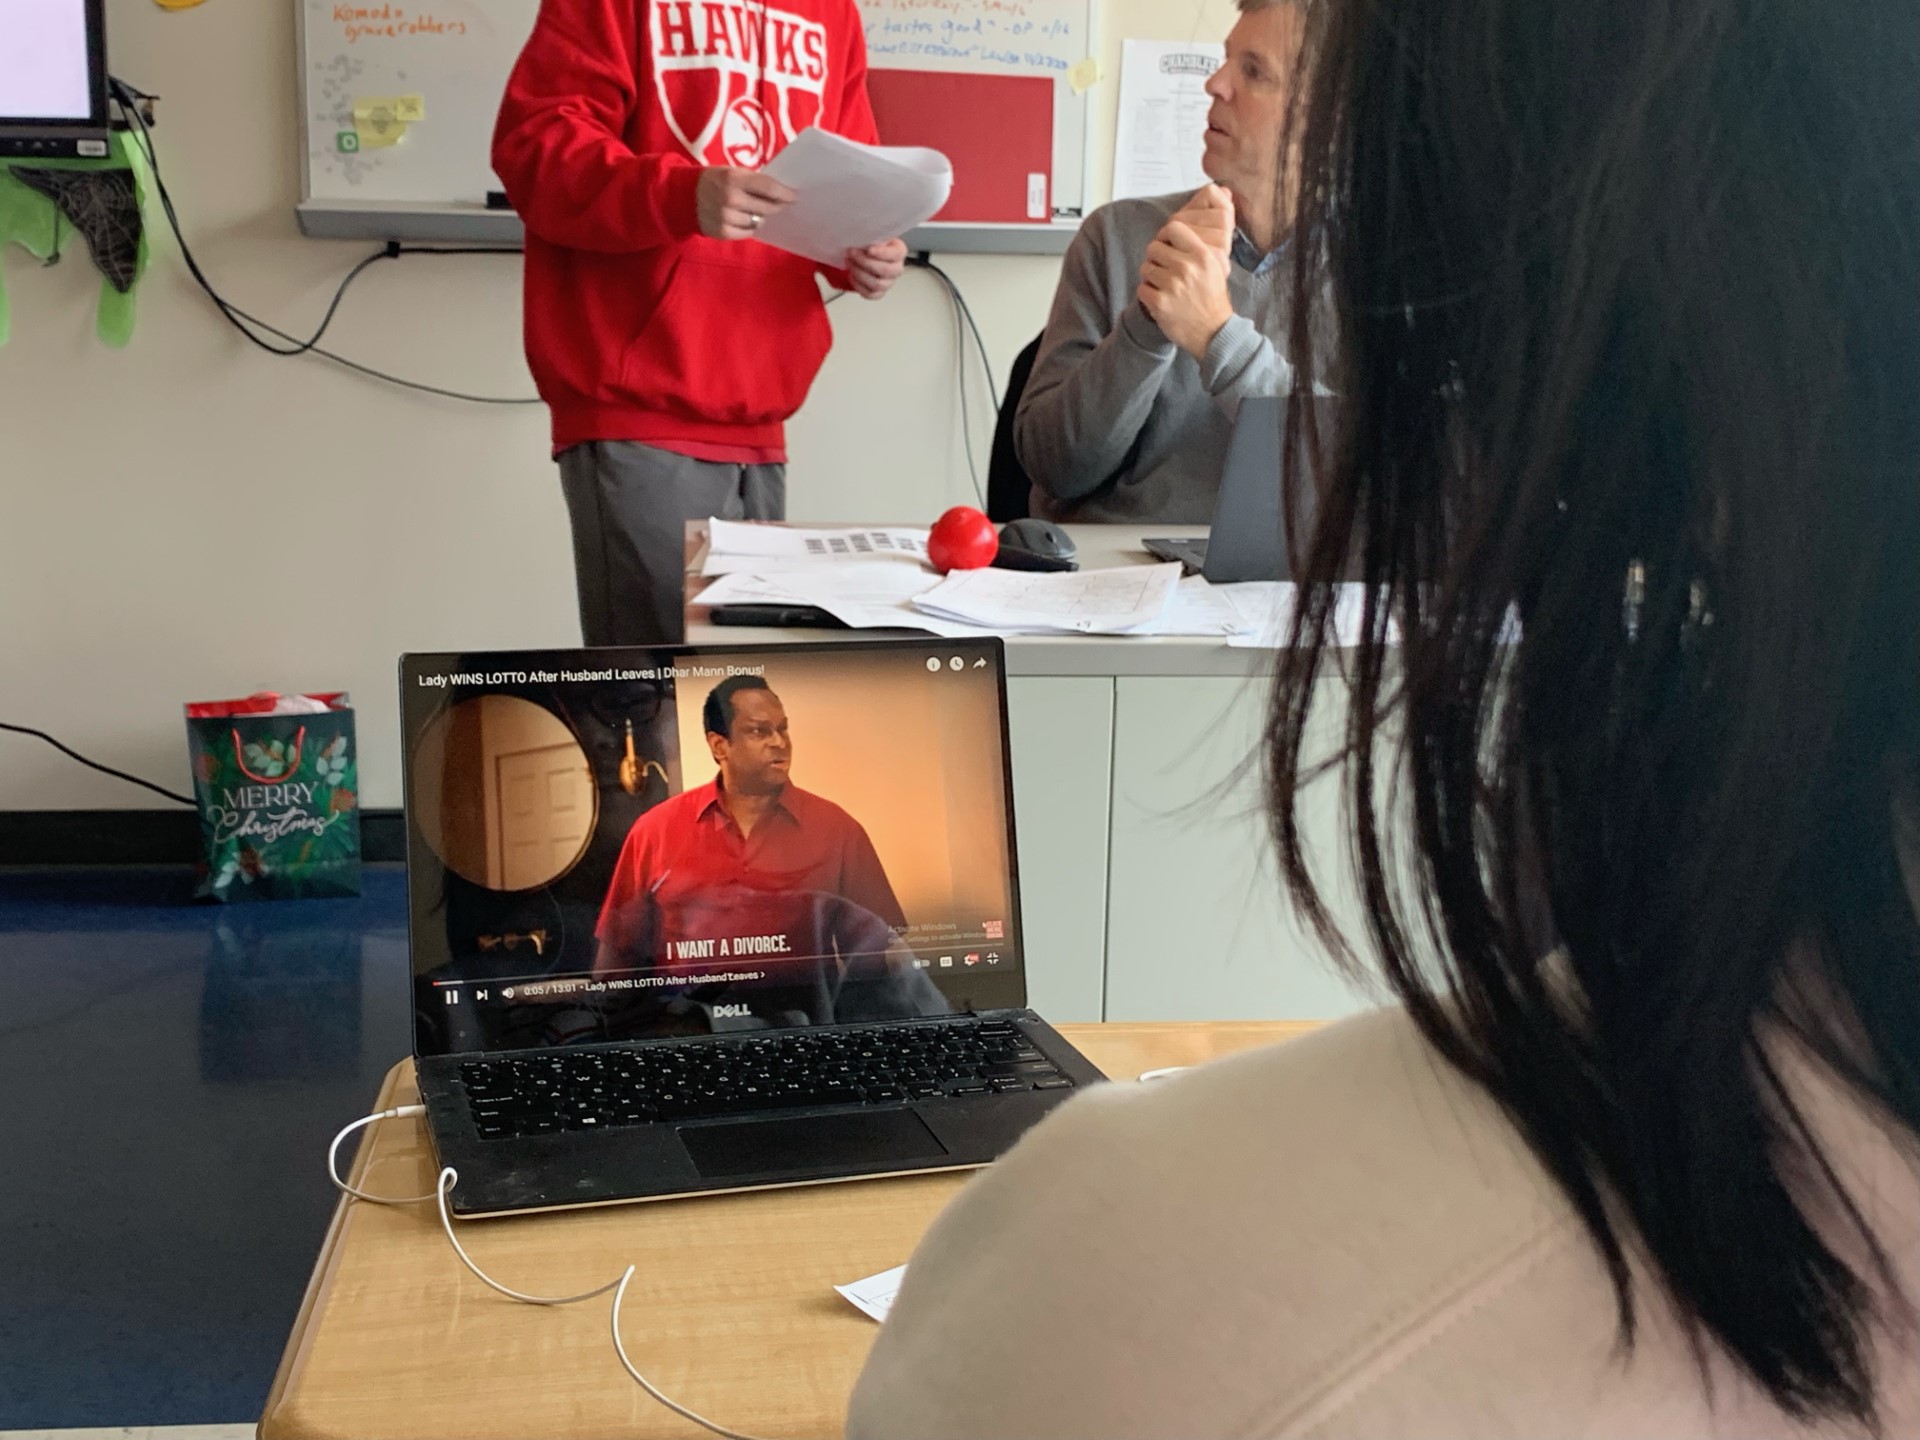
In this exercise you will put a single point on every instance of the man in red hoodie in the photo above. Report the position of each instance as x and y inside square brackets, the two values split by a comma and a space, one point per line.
[669, 344]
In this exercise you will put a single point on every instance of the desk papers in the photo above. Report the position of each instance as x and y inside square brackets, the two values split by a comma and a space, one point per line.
[735, 546]
[877, 578]
[1074, 602]
[862, 595]
[851, 194]
[1269, 616]
[874, 1295]
[1198, 608]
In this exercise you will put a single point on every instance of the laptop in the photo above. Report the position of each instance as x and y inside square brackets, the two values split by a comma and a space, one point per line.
[696, 919]
[1248, 540]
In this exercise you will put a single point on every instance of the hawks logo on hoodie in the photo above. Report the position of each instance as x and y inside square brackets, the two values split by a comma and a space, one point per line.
[738, 79]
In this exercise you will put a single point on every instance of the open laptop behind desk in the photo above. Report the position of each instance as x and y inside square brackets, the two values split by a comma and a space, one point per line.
[711, 918]
[1248, 540]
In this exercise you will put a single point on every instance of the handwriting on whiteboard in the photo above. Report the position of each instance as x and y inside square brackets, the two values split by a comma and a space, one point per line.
[1019, 35]
[393, 22]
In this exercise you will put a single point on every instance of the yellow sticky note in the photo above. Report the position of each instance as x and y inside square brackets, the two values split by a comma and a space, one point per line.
[377, 121]
[375, 137]
[404, 108]
[1084, 76]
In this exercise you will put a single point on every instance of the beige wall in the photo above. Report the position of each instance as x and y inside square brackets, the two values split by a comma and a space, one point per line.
[189, 519]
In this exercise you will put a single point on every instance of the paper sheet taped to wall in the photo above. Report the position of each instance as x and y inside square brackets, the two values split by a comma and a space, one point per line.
[1161, 135]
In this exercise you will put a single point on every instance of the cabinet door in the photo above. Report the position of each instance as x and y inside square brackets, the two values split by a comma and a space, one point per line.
[1062, 732]
[1198, 925]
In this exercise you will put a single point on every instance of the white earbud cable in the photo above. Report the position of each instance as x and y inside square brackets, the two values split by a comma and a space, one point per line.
[398, 1112]
[647, 1385]
[448, 1178]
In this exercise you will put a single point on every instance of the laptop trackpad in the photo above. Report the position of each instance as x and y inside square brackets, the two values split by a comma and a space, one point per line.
[860, 1140]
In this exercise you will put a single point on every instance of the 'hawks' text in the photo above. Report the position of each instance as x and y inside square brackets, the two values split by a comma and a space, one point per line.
[795, 48]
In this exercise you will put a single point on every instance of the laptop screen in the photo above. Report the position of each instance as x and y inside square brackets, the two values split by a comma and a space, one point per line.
[624, 844]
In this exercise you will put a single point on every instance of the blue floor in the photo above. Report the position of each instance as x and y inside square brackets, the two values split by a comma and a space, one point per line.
[171, 1075]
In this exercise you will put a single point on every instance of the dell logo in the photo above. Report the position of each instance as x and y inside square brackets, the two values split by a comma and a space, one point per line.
[730, 1012]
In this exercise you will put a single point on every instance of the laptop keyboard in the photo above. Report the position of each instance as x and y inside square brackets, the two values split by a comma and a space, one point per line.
[546, 1091]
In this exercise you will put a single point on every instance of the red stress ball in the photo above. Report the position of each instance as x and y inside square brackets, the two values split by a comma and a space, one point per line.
[962, 539]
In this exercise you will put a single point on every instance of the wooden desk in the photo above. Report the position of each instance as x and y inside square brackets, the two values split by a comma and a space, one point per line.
[731, 1310]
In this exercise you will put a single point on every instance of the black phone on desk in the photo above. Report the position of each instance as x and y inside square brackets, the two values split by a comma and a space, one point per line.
[1189, 554]
[790, 617]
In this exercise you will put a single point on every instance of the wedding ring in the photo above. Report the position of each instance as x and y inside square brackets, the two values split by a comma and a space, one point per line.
[753, 222]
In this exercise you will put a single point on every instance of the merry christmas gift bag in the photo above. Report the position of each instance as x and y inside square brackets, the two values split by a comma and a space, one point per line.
[277, 785]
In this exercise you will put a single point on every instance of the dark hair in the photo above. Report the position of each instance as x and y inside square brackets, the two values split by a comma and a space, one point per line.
[717, 713]
[1626, 329]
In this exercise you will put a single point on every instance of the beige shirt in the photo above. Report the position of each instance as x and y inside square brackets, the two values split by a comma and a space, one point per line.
[1333, 1237]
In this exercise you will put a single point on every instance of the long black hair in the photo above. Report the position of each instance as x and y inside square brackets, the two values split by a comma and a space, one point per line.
[1626, 332]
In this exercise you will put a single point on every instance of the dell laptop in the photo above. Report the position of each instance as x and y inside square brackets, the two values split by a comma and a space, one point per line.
[708, 918]
[1249, 539]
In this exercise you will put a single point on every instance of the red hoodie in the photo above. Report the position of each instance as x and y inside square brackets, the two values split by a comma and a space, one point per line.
[638, 326]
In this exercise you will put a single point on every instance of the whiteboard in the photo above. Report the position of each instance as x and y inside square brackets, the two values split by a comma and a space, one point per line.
[454, 54]
[998, 37]
[451, 58]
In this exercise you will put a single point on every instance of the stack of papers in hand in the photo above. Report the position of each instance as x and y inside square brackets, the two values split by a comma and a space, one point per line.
[850, 195]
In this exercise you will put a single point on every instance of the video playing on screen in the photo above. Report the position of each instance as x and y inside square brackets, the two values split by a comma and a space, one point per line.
[612, 844]
[44, 68]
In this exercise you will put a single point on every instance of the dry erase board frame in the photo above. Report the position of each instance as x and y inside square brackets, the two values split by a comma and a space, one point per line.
[352, 218]
[474, 225]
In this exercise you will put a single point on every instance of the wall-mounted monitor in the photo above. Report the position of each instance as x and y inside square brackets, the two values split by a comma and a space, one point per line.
[53, 78]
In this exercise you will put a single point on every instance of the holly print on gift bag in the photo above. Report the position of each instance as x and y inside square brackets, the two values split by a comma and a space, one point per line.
[278, 798]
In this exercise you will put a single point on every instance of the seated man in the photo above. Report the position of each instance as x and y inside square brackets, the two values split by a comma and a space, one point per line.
[1168, 312]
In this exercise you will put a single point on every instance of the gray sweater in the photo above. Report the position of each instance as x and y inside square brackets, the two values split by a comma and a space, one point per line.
[1117, 422]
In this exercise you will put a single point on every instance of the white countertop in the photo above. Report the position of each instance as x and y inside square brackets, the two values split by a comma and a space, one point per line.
[1100, 547]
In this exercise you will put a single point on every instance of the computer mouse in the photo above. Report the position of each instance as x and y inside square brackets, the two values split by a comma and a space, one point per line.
[1040, 538]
